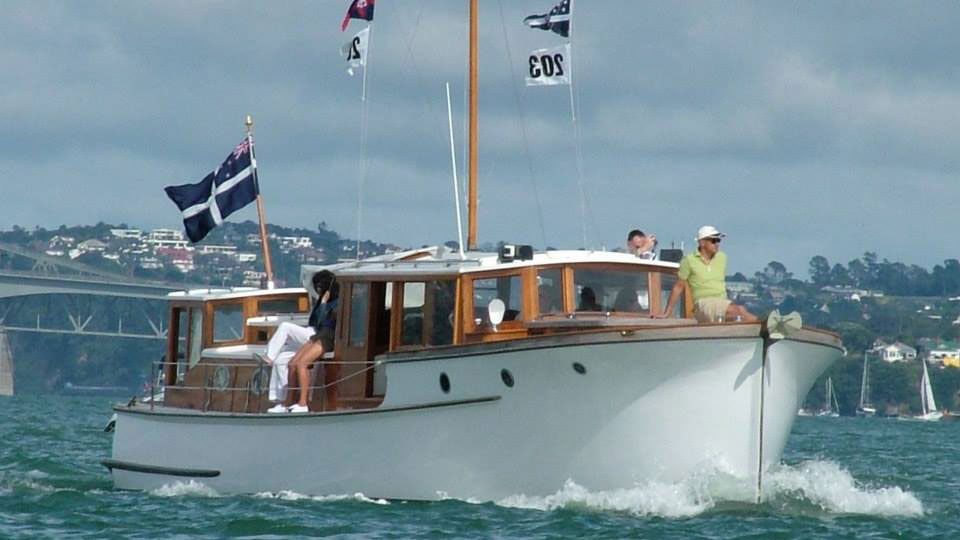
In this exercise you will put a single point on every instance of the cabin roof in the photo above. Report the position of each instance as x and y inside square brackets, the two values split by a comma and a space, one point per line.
[438, 261]
[229, 293]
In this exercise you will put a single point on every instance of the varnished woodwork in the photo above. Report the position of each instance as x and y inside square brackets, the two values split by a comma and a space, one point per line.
[653, 291]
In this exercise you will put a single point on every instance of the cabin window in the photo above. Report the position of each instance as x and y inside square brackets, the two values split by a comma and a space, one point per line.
[667, 281]
[279, 305]
[196, 336]
[428, 309]
[509, 289]
[550, 290]
[439, 312]
[622, 291]
[182, 343]
[227, 322]
[412, 325]
[359, 307]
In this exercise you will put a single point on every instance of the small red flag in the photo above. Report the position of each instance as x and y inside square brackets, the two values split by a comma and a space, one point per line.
[359, 9]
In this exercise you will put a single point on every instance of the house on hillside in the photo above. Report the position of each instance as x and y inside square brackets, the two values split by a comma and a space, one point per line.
[741, 291]
[946, 354]
[896, 352]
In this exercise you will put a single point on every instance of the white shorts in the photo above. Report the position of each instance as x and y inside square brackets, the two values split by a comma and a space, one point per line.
[711, 309]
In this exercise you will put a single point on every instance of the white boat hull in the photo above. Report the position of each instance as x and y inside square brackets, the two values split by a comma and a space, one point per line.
[644, 410]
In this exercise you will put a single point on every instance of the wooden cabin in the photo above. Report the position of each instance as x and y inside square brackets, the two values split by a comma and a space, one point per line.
[443, 302]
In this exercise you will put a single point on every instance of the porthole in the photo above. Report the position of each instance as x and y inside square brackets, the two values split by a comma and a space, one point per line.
[579, 368]
[445, 383]
[221, 378]
[260, 381]
[507, 377]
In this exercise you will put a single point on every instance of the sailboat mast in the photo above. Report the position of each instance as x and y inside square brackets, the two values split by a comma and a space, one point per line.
[863, 382]
[472, 153]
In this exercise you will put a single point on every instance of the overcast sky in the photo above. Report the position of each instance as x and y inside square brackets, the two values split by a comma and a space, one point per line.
[799, 128]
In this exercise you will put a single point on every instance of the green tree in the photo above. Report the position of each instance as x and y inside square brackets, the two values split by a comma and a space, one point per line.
[819, 270]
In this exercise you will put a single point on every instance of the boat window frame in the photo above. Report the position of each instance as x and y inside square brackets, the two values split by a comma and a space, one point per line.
[397, 315]
[528, 299]
[653, 304]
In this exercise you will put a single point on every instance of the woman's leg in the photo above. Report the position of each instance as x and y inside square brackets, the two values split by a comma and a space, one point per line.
[315, 353]
[295, 382]
[287, 335]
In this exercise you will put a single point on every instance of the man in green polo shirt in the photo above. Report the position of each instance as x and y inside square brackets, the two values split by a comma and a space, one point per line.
[705, 270]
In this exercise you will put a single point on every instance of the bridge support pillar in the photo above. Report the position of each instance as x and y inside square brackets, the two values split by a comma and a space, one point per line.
[6, 365]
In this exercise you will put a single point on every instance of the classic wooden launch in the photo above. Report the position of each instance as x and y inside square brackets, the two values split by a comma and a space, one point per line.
[576, 382]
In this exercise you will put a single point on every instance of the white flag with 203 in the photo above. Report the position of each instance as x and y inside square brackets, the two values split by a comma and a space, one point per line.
[355, 50]
[549, 67]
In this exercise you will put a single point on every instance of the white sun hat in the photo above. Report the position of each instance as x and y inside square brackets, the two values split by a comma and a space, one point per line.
[709, 231]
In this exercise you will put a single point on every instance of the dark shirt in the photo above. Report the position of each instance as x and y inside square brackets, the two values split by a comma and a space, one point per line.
[324, 315]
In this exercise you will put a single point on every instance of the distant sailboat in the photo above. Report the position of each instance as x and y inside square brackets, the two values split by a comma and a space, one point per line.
[830, 405]
[927, 402]
[865, 408]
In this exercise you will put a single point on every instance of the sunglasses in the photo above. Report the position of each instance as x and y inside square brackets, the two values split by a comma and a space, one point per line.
[714, 240]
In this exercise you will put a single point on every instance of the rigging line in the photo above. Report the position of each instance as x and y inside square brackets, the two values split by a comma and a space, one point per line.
[363, 142]
[518, 102]
[578, 148]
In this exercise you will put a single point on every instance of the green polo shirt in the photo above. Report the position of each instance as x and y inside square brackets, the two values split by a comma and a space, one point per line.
[706, 279]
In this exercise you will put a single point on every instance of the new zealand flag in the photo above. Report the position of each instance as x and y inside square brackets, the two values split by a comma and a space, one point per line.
[230, 187]
[359, 9]
[557, 20]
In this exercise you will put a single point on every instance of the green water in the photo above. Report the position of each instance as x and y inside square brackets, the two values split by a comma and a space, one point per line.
[840, 478]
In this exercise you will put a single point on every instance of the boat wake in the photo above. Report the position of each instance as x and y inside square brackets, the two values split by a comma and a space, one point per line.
[294, 496]
[813, 487]
[190, 488]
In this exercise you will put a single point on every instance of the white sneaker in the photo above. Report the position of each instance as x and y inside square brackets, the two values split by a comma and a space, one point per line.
[297, 408]
[278, 408]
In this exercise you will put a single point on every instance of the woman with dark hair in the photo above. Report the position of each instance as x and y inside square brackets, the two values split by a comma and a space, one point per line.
[321, 342]
[288, 339]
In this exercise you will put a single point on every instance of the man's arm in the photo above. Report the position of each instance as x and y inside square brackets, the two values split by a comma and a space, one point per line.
[674, 297]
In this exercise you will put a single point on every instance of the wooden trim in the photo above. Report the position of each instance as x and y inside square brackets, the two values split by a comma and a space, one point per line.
[396, 315]
[654, 292]
[426, 317]
[687, 301]
[569, 294]
[458, 313]
[530, 296]
[173, 338]
[467, 302]
[207, 325]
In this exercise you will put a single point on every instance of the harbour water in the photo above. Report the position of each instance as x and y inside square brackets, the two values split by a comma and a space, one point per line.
[840, 478]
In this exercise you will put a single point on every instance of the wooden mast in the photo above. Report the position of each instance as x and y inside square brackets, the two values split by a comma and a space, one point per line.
[472, 153]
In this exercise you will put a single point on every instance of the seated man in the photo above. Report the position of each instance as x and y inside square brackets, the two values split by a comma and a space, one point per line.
[642, 245]
[705, 271]
[588, 300]
[288, 339]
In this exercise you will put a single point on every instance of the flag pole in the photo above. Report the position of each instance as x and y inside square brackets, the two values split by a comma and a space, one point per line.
[260, 214]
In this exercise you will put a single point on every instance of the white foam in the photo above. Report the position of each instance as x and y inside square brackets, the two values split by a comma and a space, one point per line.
[661, 499]
[821, 483]
[836, 491]
[287, 495]
[191, 488]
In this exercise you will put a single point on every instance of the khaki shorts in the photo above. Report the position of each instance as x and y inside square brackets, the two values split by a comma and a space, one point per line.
[711, 309]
